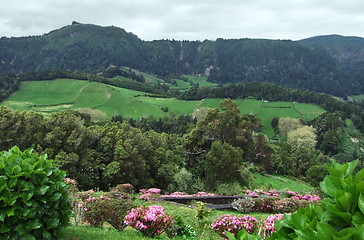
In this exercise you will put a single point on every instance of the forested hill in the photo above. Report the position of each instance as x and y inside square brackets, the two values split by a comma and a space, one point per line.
[347, 51]
[91, 48]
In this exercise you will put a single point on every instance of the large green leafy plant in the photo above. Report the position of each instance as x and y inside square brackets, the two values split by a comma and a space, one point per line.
[341, 215]
[33, 196]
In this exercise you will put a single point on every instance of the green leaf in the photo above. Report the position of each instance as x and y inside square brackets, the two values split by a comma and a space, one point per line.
[361, 202]
[346, 234]
[46, 234]
[3, 183]
[52, 223]
[358, 219]
[4, 228]
[28, 237]
[298, 221]
[242, 234]
[330, 185]
[20, 229]
[230, 236]
[359, 176]
[336, 172]
[359, 232]
[344, 201]
[324, 231]
[10, 211]
[345, 216]
[2, 164]
[2, 215]
[49, 172]
[32, 225]
[42, 190]
[306, 233]
[55, 197]
[12, 182]
[351, 167]
[27, 195]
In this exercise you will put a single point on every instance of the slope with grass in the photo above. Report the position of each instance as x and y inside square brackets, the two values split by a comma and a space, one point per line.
[62, 94]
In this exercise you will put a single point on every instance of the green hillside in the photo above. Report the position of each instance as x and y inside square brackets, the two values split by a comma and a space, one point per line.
[308, 64]
[93, 97]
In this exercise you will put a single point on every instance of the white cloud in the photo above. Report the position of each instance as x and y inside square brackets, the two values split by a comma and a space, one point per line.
[189, 19]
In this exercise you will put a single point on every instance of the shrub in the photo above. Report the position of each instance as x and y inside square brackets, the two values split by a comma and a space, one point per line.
[267, 226]
[265, 229]
[244, 205]
[278, 205]
[150, 220]
[228, 189]
[234, 224]
[34, 203]
[150, 194]
[75, 202]
[180, 228]
[201, 211]
[182, 181]
[123, 188]
[108, 207]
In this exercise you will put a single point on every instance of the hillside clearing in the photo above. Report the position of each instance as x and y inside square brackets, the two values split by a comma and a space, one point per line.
[62, 94]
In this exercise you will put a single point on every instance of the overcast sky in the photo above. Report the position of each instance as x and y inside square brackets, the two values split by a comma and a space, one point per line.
[189, 19]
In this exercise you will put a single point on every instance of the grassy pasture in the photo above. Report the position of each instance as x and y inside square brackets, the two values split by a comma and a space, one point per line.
[201, 80]
[62, 94]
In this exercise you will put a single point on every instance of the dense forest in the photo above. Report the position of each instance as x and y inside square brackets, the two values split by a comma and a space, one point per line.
[318, 64]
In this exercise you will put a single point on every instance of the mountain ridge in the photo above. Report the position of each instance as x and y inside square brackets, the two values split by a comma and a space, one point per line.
[310, 63]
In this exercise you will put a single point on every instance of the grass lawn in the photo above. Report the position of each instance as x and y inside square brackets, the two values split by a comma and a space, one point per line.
[280, 183]
[201, 80]
[270, 110]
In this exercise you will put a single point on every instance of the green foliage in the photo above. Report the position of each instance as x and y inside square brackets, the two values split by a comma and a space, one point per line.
[180, 228]
[223, 163]
[341, 215]
[304, 137]
[229, 189]
[33, 196]
[243, 235]
[287, 124]
[201, 211]
[108, 207]
[183, 181]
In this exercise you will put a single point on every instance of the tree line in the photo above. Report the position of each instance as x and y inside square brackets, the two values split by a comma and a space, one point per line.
[223, 147]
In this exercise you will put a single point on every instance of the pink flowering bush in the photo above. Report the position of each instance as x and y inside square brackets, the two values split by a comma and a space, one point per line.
[234, 224]
[279, 205]
[150, 220]
[282, 194]
[267, 226]
[107, 207]
[150, 194]
[182, 194]
[277, 201]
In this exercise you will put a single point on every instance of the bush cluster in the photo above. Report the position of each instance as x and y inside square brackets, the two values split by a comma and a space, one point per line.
[34, 203]
[150, 220]
[234, 224]
[107, 207]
